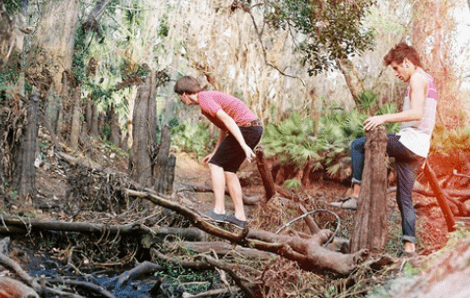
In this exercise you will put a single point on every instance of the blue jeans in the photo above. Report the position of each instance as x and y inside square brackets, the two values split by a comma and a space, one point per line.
[408, 165]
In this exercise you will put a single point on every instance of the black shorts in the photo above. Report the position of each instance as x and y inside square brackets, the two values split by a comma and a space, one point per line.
[230, 154]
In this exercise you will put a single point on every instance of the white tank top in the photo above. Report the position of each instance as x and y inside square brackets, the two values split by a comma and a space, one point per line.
[416, 135]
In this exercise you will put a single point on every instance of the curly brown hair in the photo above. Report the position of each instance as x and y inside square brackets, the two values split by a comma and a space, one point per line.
[400, 52]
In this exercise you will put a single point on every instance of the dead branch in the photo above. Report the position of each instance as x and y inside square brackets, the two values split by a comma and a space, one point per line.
[305, 250]
[213, 292]
[24, 225]
[223, 248]
[87, 285]
[229, 269]
[143, 268]
[440, 196]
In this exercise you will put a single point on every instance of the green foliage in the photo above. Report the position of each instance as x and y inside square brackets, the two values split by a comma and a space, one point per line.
[368, 99]
[332, 29]
[12, 6]
[79, 53]
[291, 140]
[390, 108]
[292, 184]
[179, 279]
[193, 138]
[410, 271]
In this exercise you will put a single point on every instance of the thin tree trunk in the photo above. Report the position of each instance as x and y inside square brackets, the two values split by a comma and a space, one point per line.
[440, 196]
[265, 174]
[353, 80]
[94, 122]
[370, 222]
[75, 130]
[24, 160]
[160, 166]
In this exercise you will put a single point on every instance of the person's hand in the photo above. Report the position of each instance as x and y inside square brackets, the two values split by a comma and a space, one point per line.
[206, 159]
[250, 155]
[373, 122]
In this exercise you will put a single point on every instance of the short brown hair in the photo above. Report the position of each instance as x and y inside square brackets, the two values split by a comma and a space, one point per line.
[400, 52]
[188, 85]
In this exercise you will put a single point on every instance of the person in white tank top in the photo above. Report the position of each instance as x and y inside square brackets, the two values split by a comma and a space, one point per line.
[410, 145]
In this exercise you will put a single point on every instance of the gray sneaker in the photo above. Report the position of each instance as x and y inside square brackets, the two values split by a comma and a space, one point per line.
[235, 221]
[216, 216]
[347, 203]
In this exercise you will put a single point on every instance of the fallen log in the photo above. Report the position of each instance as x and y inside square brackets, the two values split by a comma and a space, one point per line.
[24, 225]
[306, 250]
[223, 248]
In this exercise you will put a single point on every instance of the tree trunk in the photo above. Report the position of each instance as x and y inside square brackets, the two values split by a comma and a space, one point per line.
[370, 222]
[160, 166]
[94, 122]
[115, 129]
[433, 20]
[353, 80]
[52, 49]
[75, 130]
[265, 174]
[440, 196]
[140, 166]
[24, 178]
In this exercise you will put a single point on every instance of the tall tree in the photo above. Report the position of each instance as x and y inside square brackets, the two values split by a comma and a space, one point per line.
[329, 33]
[432, 36]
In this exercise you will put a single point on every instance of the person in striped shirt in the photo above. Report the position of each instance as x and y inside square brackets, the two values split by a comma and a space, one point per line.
[240, 132]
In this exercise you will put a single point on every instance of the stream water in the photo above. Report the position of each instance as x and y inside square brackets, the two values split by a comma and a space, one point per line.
[172, 283]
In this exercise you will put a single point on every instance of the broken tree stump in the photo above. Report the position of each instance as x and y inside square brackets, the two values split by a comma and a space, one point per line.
[370, 222]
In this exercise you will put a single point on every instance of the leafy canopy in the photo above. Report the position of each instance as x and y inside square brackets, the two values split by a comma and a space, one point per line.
[330, 29]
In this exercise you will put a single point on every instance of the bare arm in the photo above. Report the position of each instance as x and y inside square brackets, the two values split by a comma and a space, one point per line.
[418, 91]
[222, 135]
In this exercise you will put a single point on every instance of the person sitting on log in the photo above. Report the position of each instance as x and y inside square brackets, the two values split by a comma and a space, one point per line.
[410, 146]
[240, 132]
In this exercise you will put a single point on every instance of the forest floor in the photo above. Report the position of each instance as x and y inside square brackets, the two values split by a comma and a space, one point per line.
[54, 179]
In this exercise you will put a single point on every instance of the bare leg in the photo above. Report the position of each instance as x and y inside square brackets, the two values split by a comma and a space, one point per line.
[235, 191]
[356, 190]
[218, 186]
[409, 246]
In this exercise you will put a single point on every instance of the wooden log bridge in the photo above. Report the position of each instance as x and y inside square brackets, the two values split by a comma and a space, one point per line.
[370, 222]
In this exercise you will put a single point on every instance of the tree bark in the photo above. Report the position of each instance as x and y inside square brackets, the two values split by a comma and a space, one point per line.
[265, 174]
[160, 166]
[75, 130]
[24, 158]
[440, 196]
[370, 222]
[115, 134]
[94, 131]
[140, 167]
[353, 80]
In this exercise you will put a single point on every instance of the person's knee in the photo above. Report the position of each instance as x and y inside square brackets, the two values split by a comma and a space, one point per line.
[357, 144]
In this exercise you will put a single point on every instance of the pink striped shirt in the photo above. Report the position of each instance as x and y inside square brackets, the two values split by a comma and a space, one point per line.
[211, 102]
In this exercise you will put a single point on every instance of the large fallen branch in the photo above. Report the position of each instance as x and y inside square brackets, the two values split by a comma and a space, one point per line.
[25, 225]
[306, 250]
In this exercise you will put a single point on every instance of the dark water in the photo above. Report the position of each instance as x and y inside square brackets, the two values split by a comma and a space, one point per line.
[173, 282]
